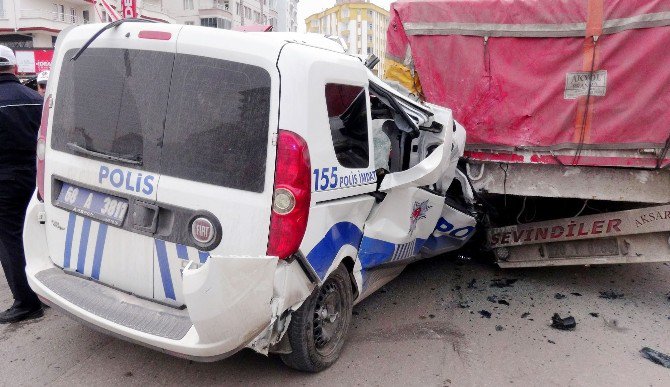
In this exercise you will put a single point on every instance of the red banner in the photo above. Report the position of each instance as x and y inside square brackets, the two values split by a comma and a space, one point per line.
[34, 61]
[129, 8]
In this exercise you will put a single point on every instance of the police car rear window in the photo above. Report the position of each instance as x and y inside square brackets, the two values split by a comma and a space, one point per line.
[217, 123]
[186, 116]
[113, 102]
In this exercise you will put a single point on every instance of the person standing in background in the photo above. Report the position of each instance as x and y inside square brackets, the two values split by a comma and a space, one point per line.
[20, 114]
[42, 79]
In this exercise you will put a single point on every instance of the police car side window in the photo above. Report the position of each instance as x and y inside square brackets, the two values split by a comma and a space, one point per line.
[347, 115]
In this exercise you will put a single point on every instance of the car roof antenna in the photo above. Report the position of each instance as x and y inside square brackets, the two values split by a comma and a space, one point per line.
[113, 24]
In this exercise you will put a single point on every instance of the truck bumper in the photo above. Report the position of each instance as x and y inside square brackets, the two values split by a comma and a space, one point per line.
[228, 301]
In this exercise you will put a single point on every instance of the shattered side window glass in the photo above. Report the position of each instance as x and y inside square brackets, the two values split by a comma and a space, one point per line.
[347, 114]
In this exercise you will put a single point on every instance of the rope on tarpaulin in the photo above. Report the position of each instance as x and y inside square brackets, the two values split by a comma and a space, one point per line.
[582, 131]
[594, 29]
[664, 152]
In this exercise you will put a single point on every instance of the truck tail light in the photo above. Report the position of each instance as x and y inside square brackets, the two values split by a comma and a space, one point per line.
[291, 197]
[42, 147]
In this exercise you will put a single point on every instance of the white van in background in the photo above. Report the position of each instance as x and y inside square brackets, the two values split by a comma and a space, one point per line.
[203, 190]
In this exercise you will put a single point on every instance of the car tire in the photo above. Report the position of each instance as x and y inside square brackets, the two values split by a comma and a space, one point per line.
[319, 328]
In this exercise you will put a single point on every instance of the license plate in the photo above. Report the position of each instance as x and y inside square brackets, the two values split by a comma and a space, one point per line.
[105, 208]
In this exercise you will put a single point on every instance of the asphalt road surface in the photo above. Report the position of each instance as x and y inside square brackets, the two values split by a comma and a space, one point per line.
[424, 328]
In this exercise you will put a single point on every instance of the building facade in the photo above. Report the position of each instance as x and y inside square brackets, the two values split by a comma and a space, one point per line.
[287, 15]
[35, 24]
[27, 24]
[360, 23]
[223, 13]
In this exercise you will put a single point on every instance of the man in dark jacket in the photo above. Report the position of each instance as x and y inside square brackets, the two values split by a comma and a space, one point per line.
[20, 112]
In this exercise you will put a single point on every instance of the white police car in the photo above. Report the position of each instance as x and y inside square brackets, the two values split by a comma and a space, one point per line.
[202, 190]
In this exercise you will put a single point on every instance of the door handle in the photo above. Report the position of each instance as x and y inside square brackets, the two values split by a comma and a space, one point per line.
[145, 217]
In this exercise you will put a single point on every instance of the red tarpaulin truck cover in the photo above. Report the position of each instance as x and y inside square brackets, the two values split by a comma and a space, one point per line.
[516, 74]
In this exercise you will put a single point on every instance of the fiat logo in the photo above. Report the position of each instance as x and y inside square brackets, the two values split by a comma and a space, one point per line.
[202, 230]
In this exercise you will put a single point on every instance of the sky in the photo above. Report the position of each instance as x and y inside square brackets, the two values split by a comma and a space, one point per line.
[309, 7]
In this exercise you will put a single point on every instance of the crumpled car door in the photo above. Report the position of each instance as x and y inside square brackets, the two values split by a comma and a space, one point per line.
[400, 224]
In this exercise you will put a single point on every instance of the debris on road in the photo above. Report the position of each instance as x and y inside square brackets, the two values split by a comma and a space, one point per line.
[576, 294]
[614, 325]
[503, 282]
[462, 259]
[563, 324]
[610, 295]
[485, 313]
[526, 314]
[559, 296]
[655, 356]
[464, 304]
[493, 299]
[503, 302]
[499, 328]
[551, 342]
[594, 314]
[471, 284]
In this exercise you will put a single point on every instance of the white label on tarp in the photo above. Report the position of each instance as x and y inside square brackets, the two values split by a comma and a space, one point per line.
[577, 84]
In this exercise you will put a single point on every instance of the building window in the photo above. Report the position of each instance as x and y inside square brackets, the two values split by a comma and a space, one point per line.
[188, 23]
[237, 9]
[59, 13]
[222, 4]
[73, 16]
[85, 17]
[347, 112]
[188, 4]
[216, 22]
[208, 22]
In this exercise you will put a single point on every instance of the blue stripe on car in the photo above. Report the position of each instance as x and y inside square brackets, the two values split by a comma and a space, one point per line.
[164, 266]
[67, 254]
[99, 249]
[374, 252]
[182, 252]
[323, 254]
[83, 245]
[203, 255]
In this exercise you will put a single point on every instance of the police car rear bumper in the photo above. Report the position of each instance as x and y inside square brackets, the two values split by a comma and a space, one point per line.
[228, 301]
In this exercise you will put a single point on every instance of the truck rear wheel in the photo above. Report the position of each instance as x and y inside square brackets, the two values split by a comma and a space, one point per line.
[319, 327]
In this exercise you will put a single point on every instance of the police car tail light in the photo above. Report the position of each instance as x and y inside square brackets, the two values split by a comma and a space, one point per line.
[292, 195]
[42, 147]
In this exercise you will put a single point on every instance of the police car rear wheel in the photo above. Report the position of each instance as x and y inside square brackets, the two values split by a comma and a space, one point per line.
[319, 327]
